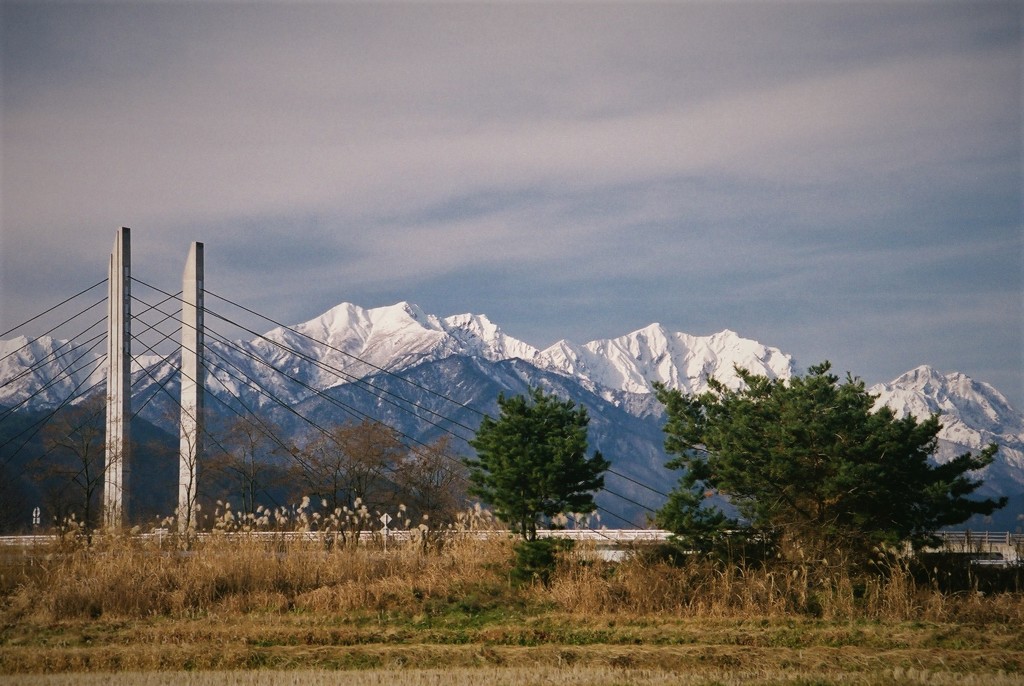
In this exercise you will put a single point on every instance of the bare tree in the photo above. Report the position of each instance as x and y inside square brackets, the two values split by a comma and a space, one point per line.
[433, 482]
[70, 471]
[190, 446]
[14, 503]
[244, 462]
[353, 461]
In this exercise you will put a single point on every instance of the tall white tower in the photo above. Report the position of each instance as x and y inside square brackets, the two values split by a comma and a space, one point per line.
[193, 371]
[117, 468]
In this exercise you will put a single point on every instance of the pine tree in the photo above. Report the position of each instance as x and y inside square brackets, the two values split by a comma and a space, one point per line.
[531, 462]
[810, 461]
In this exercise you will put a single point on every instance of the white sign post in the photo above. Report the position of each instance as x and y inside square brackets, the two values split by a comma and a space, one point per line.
[385, 519]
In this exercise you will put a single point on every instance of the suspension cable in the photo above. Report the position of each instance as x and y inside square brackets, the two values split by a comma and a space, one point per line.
[64, 302]
[287, 349]
[30, 341]
[56, 354]
[39, 424]
[356, 381]
[66, 372]
[382, 370]
[343, 375]
[206, 433]
[350, 355]
[348, 408]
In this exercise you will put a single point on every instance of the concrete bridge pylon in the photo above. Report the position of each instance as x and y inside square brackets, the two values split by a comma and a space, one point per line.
[117, 467]
[193, 373]
[118, 453]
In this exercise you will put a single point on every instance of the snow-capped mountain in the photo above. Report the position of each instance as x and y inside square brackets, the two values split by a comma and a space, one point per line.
[348, 342]
[973, 415]
[968, 407]
[359, 341]
[470, 359]
[634, 362]
[46, 370]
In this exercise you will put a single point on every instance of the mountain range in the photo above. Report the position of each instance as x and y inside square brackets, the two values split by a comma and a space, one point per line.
[426, 375]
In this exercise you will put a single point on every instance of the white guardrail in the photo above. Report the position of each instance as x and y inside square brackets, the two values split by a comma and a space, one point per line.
[599, 536]
[955, 540]
[971, 539]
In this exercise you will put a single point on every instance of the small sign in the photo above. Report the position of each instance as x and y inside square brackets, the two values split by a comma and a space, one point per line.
[385, 519]
[36, 517]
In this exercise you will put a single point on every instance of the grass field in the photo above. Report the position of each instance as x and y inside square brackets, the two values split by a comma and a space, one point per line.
[238, 611]
[542, 648]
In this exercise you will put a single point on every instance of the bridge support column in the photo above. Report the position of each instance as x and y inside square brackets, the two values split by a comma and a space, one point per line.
[193, 371]
[117, 468]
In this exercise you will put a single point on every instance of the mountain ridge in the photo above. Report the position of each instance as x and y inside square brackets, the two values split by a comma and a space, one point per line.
[354, 343]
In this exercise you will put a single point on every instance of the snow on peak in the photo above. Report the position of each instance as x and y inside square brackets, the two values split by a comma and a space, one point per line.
[400, 335]
[478, 324]
[973, 414]
[46, 370]
[346, 321]
[634, 362]
[957, 397]
[401, 315]
[341, 317]
[477, 335]
[350, 341]
[921, 377]
[11, 345]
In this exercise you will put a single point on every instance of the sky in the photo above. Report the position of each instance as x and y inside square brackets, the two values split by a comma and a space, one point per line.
[841, 180]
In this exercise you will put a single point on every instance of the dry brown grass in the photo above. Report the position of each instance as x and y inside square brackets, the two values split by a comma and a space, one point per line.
[509, 676]
[241, 573]
[243, 602]
[127, 576]
[224, 575]
[700, 588]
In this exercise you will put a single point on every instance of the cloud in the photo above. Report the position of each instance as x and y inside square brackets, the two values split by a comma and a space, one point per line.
[691, 162]
[315, 124]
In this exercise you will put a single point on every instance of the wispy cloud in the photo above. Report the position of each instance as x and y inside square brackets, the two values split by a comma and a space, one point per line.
[770, 168]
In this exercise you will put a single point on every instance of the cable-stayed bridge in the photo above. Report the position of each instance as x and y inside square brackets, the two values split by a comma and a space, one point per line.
[155, 346]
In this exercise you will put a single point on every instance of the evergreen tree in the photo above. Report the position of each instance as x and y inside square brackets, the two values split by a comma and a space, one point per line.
[810, 461]
[531, 462]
